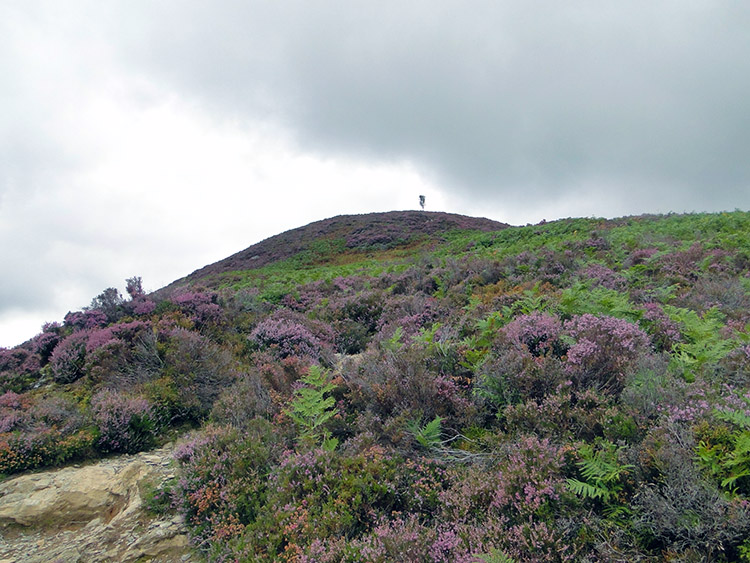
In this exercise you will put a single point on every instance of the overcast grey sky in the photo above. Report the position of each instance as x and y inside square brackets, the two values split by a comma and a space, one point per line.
[153, 137]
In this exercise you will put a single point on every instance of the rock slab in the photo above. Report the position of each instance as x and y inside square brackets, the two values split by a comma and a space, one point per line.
[90, 514]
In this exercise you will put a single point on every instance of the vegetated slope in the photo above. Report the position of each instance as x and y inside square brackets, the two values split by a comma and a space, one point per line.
[345, 233]
[577, 390]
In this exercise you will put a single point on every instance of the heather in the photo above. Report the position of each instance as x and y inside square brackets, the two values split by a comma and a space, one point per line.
[424, 387]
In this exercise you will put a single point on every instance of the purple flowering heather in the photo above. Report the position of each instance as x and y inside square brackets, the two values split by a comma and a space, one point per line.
[537, 333]
[603, 276]
[604, 349]
[69, 357]
[286, 338]
[83, 320]
[18, 360]
[125, 423]
[200, 305]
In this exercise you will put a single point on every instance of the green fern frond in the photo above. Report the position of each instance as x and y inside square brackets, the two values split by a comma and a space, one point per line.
[495, 556]
[428, 435]
[735, 417]
[587, 490]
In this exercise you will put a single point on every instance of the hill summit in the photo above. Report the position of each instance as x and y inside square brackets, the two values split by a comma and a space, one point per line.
[353, 233]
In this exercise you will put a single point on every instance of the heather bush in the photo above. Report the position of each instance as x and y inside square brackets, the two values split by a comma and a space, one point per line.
[141, 306]
[392, 383]
[603, 276]
[355, 319]
[410, 314]
[681, 511]
[68, 360]
[329, 506]
[280, 377]
[518, 505]
[536, 333]
[562, 414]
[243, 401]
[284, 335]
[19, 369]
[735, 366]
[123, 354]
[524, 363]
[512, 376]
[125, 423]
[58, 411]
[13, 411]
[224, 480]
[664, 331]
[200, 306]
[43, 447]
[604, 350]
[197, 370]
[44, 343]
[84, 320]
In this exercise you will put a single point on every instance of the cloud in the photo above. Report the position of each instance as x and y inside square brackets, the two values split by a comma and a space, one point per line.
[142, 138]
[495, 98]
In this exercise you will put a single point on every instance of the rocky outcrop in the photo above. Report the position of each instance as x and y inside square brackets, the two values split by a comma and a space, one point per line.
[93, 513]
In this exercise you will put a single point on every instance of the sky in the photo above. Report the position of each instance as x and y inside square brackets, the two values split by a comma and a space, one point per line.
[150, 138]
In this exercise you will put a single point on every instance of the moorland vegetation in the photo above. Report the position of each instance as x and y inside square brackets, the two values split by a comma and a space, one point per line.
[423, 387]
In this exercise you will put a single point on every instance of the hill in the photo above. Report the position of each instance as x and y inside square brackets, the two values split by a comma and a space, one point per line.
[345, 234]
[424, 387]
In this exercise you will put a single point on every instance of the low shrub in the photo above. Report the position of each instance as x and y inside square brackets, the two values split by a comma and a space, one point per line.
[125, 423]
[604, 350]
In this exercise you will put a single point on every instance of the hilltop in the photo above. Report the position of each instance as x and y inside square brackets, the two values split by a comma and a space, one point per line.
[423, 387]
[345, 234]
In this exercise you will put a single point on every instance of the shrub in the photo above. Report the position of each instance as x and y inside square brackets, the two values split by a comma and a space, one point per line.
[68, 360]
[84, 320]
[245, 400]
[603, 351]
[44, 343]
[525, 361]
[123, 354]
[224, 480]
[399, 385]
[42, 447]
[287, 335]
[536, 333]
[198, 369]
[201, 306]
[682, 511]
[126, 423]
[606, 277]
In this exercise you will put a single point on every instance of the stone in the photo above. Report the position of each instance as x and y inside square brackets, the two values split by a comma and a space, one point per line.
[90, 514]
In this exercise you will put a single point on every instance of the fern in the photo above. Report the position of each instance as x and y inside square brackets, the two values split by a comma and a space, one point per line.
[428, 435]
[310, 409]
[602, 478]
[394, 344]
[737, 418]
[587, 490]
[729, 462]
[495, 556]
[703, 342]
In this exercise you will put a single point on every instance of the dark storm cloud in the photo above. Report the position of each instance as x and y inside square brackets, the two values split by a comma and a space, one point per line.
[511, 99]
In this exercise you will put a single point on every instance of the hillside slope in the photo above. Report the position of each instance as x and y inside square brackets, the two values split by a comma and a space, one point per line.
[424, 387]
[367, 232]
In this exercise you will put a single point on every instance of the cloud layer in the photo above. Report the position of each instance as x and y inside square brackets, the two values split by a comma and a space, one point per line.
[141, 138]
